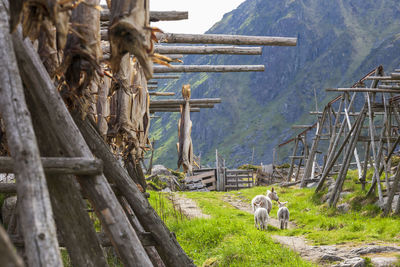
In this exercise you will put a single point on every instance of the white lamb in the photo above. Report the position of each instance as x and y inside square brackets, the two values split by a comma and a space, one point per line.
[283, 215]
[260, 217]
[265, 201]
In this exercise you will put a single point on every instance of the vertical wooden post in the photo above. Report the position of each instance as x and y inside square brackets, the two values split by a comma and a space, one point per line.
[296, 145]
[217, 168]
[8, 253]
[311, 157]
[35, 213]
[392, 192]
[367, 146]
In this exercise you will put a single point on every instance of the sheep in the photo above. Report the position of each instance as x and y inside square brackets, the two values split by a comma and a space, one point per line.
[283, 215]
[265, 201]
[260, 217]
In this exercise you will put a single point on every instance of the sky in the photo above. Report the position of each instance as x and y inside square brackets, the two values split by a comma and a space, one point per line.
[202, 14]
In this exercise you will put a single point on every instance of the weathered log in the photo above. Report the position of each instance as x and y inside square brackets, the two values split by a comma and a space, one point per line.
[381, 78]
[146, 239]
[231, 50]
[154, 15]
[172, 110]
[152, 87]
[130, 33]
[394, 87]
[225, 39]
[162, 93]
[392, 192]
[47, 48]
[370, 90]
[103, 106]
[181, 101]
[56, 165]
[395, 76]
[35, 213]
[96, 188]
[208, 68]
[175, 106]
[6, 188]
[152, 83]
[8, 255]
[167, 244]
[159, 77]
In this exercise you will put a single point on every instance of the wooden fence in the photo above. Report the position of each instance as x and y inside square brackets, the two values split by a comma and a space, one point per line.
[238, 179]
[202, 180]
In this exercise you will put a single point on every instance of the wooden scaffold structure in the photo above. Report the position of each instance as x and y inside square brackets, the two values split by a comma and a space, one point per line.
[361, 125]
[75, 115]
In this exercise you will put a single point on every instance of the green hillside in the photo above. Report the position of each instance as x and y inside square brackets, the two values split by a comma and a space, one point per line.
[338, 42]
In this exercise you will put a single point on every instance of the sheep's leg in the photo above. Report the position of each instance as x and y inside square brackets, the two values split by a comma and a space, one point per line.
[255, 223]
[282, 224]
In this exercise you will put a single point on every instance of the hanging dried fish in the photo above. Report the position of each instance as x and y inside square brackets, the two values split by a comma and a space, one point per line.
[35, 12]
[130, 33]
[82, 52]
[185, 146]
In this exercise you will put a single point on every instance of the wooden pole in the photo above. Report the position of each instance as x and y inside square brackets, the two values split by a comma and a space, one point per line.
[225, 39]
[35, 213]
[290, 173]
[154, 15]
[8, 254]
[162, 93]
[56, 165]
[202, 50]
[181, 101]
[208, 68]
[153, 110]
[166, 242]
[97, 189]
[160, 77]
[369, 90]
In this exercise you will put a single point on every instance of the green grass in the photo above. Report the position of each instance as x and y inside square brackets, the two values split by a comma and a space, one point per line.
[229, 238]
[324, 225]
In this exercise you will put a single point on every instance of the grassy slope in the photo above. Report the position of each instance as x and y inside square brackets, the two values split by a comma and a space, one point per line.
[231, 239]
[228, 238]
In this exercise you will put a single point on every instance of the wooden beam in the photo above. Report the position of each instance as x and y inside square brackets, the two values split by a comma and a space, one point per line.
[395, 76]
[161, 77]
[208, 68]
[152, 87]
[8, 253]
[172, 110]
[381, 78]
[225, 39]
[167, 245]
[174, 106]
[97, 189]
[34, 207]
[162, 93]
[232, 50]
[394, 87]
[371, 90]
[152, 83]
[181, 101]
[154, 15]
[76, 166]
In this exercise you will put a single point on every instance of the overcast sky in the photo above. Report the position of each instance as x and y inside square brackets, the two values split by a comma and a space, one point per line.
[202, 14]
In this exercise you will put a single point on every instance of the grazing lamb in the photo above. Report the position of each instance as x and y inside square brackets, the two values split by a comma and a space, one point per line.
[260, 217]
[265, 201]
[283, 215]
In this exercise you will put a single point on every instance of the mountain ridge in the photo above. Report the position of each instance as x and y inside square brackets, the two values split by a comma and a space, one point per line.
[338, 42]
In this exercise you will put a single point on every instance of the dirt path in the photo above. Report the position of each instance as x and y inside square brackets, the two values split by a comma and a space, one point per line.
[188, 207]
[346, 255]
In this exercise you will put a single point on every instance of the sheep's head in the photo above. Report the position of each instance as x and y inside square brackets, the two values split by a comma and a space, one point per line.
[272, 194]
[257, 205]
[282, 204]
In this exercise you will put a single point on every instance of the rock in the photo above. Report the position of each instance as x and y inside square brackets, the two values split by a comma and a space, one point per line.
[384, 261]
[343, 208]
[353, 262]
[167, 189]
[160, 170]
[330, 257]
[373, 250]
[8, 209]
[312, 185]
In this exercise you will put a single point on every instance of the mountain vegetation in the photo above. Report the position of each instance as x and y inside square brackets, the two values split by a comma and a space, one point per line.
[338, 42]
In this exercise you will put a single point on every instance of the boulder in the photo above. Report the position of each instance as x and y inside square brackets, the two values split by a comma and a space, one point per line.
[330, 257]
[343, 208]
[8, 209]
[374, 249]
[353, 262]
[384, 261]
[160, 170]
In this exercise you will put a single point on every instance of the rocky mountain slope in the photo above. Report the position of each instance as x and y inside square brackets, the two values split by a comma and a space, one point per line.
[338, 42]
